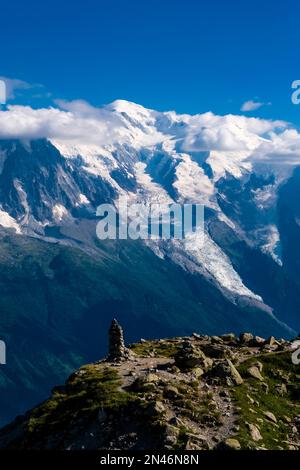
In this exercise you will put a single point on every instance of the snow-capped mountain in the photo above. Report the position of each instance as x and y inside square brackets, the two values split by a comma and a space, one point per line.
[60, 285]
[50, 187]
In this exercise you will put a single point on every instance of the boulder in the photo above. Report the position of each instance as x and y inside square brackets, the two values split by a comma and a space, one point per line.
[286, 419]
[254, 372]
[271, 341]
[171, 435]
[235, 375]
[246, 338]
[225, 373]
[250, 399]
[258, 341]
[229, 337]
[268, 348]
[231, 444]
[270, 416]
[254, 432]
[198, 372]
[145, 383]
[216, 340]
[281, 389]
[196, 336]
[196, 442]
[217, 351]
[155, 408]
[259, 365]
[189, 356]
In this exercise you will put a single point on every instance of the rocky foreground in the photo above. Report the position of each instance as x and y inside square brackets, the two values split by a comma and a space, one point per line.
[194, 393]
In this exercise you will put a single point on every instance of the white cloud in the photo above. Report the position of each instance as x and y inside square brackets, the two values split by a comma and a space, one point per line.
[24, 122]
[230, 139]
[280, 149]
[207, 132]
[76, 122]
[253, 105]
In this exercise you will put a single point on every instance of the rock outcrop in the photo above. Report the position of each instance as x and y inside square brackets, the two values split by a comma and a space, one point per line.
[192, 393]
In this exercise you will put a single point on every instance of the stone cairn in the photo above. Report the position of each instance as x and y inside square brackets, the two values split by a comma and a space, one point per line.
[117, 350]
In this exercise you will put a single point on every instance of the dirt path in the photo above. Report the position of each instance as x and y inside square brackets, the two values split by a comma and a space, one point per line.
[162, 367]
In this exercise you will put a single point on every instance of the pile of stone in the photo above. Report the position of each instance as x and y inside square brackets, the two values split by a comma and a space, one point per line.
[117, 350]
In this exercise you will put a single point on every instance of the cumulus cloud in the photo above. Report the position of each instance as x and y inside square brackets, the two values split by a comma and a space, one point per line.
[253, 105]
[280, 149]
[80, 108]
[207, 132]
[228, 137]
[222, 139]
[24, 122]
[78, 123]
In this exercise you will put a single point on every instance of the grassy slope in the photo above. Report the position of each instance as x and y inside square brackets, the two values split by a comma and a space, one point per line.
[56, 304]
[277, 370]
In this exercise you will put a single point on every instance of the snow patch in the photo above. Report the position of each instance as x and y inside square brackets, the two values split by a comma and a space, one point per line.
[83, 200]
[9, 222]
[59, 212]
[272, 244]
[191, 182]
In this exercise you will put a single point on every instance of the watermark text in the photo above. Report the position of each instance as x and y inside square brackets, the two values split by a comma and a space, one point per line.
[148, 221]
[2, 92]
[2, 352]
[296, 353]
[296, 94]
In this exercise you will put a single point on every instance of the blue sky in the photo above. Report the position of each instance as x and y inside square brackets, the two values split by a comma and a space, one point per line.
[189, 55]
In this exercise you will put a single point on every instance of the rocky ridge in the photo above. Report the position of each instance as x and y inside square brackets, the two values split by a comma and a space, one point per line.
[193, 393]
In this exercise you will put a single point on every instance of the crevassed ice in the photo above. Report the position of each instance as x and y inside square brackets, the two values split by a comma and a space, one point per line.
[210, 256]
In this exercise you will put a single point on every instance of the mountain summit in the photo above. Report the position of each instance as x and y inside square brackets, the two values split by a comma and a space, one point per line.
[191, 393]
[61, 163]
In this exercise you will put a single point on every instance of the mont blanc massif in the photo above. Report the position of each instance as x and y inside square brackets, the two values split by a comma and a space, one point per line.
[60, 286]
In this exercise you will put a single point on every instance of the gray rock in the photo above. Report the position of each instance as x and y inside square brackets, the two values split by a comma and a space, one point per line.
[231, 444]
[258, 341]
[196, 336]
[254, 432]
[217, 351]
[270, 416]
[254, 372]
[216, 340]
[226, 373]
[196, 442]
[189, 356]
[281, 389]
[271, 341]
[259, 365]
[155, 408]
[245, 338]
[228, 337]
